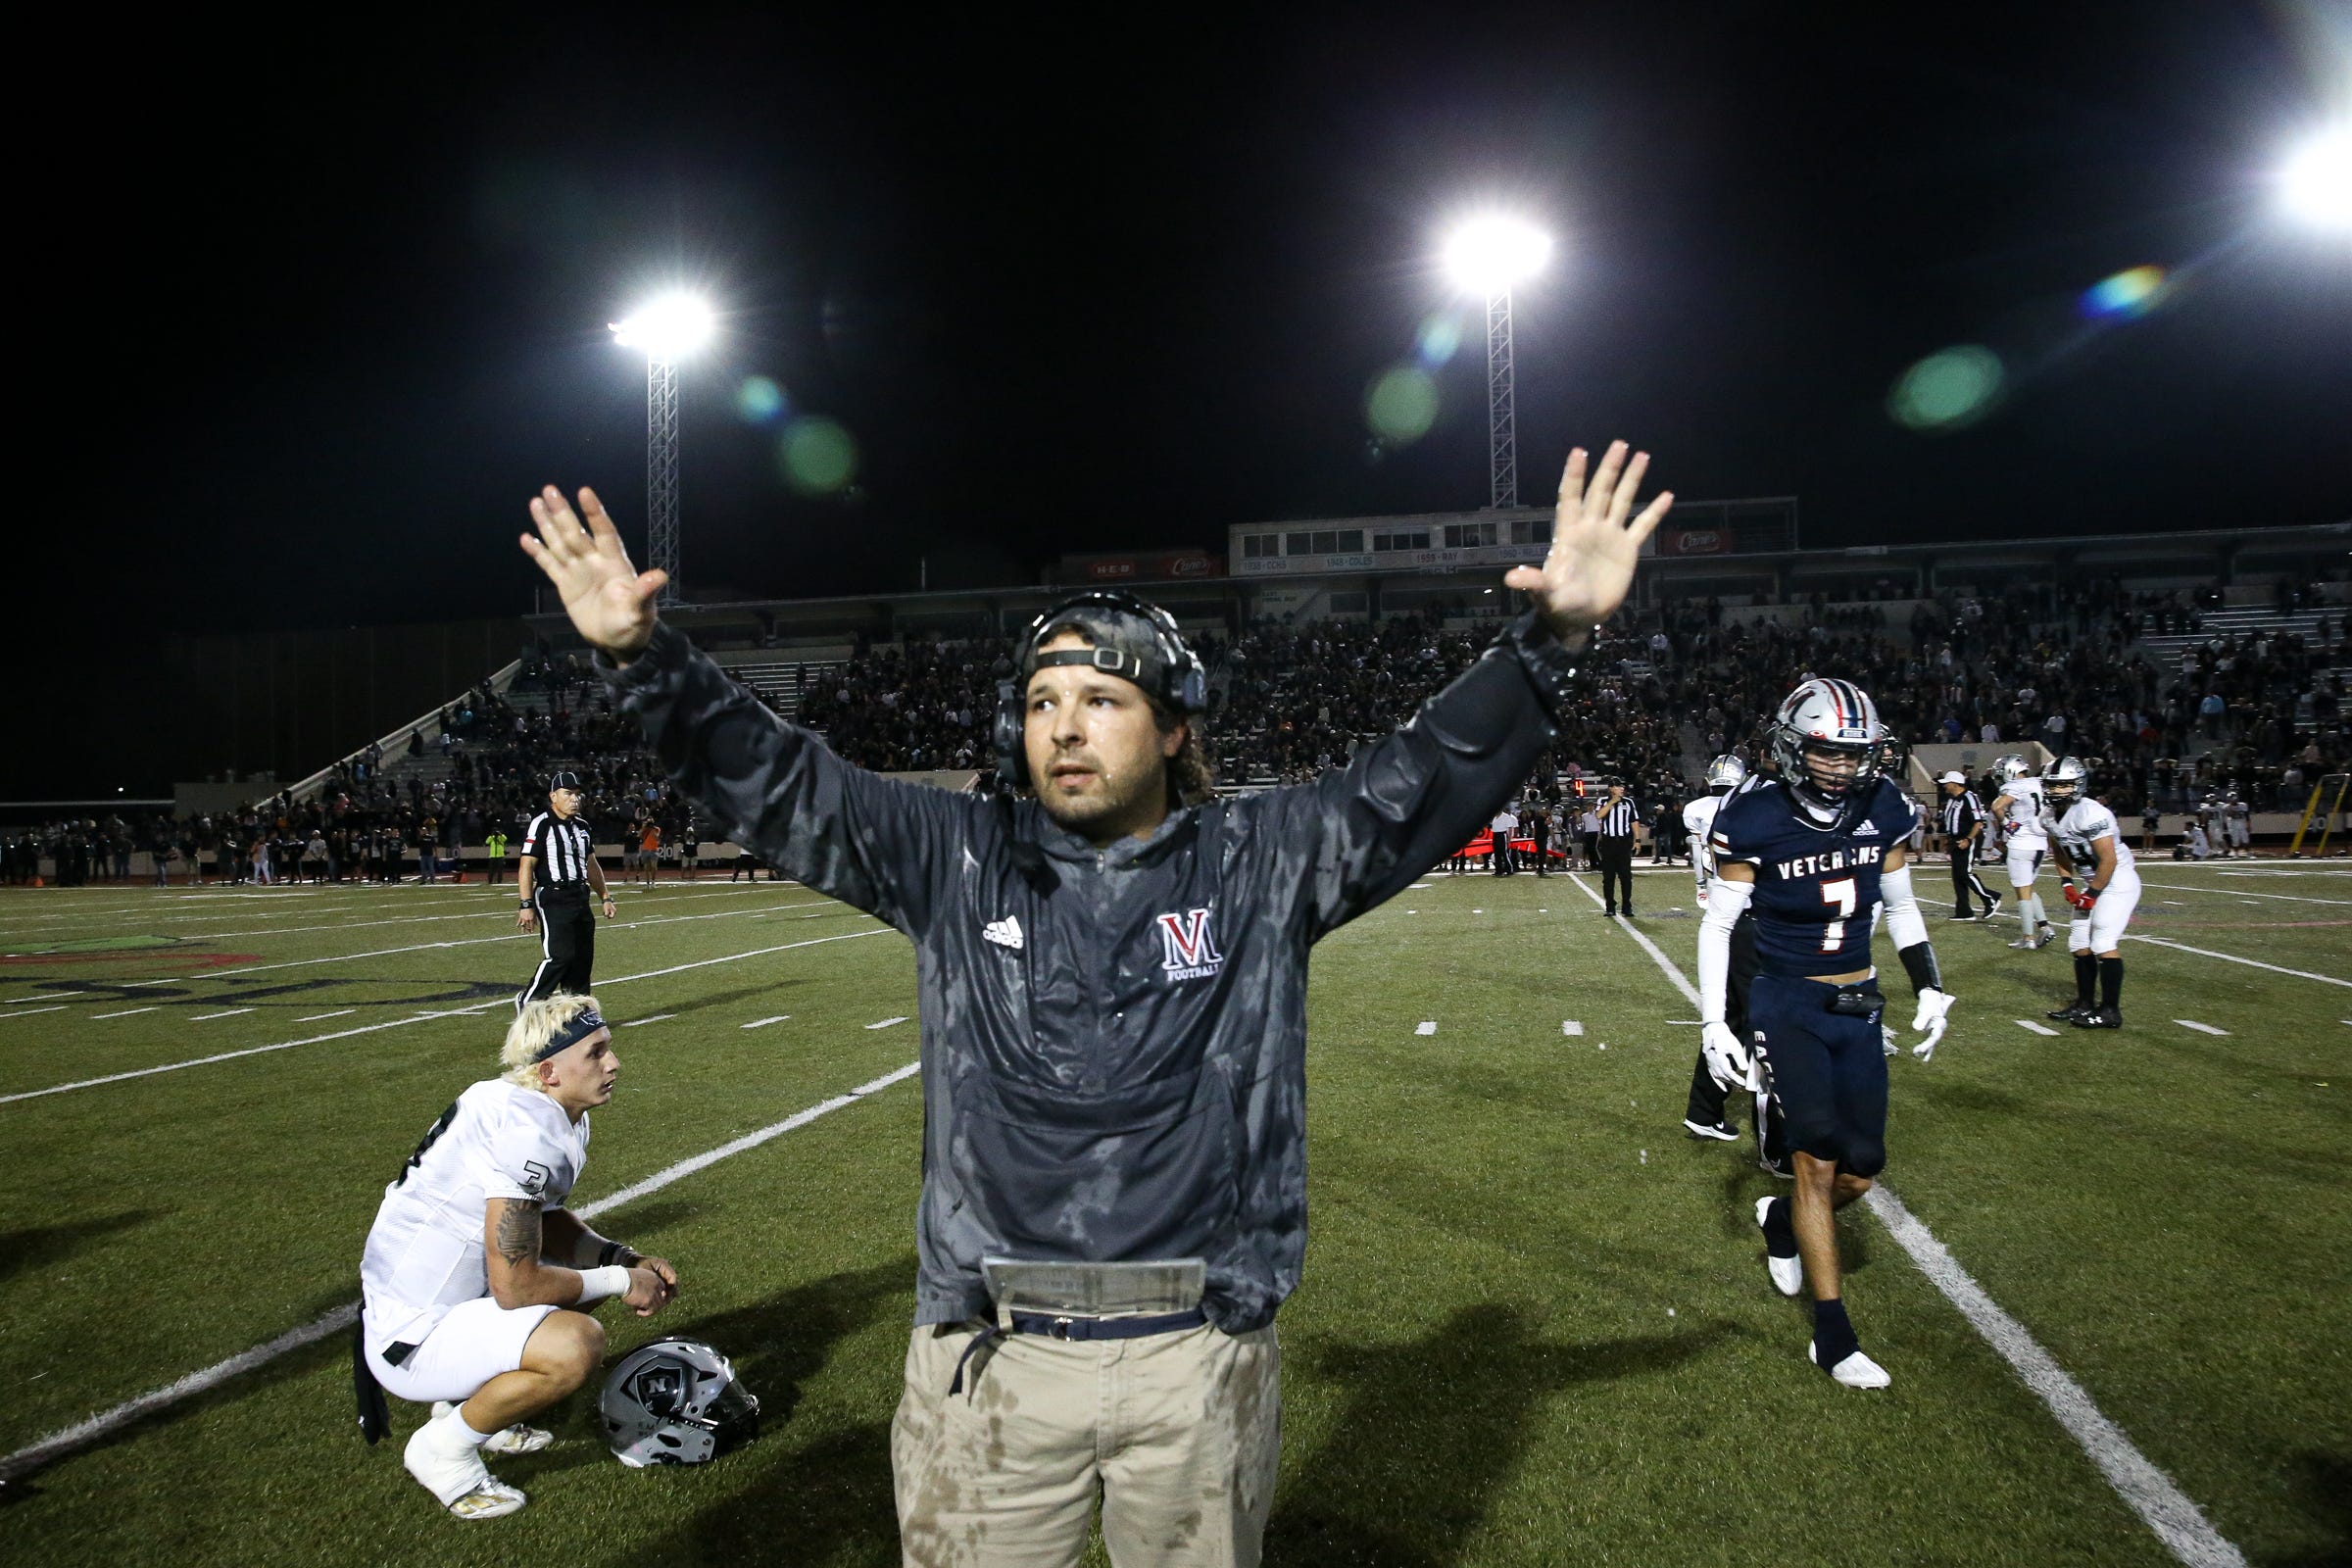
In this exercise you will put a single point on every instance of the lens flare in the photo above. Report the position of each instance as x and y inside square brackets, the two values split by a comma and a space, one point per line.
[817, 456]
[758, 399]
[1440, 336]
[1402, 403]
[2132, 292]
[1948, 389]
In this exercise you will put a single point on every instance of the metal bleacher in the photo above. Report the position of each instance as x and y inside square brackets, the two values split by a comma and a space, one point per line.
[2163, 649]
[782, 685]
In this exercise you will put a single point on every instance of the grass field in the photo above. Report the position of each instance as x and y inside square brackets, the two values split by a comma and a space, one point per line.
[1534, 1327]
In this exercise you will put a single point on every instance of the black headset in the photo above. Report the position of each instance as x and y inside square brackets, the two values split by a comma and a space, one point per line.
[1173, 678]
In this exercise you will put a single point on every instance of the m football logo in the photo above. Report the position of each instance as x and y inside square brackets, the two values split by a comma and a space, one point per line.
[1188, 952]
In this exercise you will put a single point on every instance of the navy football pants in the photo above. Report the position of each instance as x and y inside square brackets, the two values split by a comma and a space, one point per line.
[1828, 1070]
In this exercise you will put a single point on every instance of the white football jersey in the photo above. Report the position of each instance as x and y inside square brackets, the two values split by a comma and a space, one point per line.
[424, 1252]
[2085, 820]
[2022, 817]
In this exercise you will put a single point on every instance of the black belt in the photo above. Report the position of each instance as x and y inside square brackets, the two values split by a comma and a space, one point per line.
[1054, 1326]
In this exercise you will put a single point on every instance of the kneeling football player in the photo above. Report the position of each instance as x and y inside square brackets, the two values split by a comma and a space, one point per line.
[477, 1280]
[1815, 853]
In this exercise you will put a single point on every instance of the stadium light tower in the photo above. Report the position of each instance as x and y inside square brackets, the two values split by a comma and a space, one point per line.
[1490, 256]
[2315, 182]
[664, 331]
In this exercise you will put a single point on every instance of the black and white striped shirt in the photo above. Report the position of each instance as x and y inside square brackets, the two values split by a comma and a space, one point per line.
[561, 846]
[1617, 821]
[1960, 814]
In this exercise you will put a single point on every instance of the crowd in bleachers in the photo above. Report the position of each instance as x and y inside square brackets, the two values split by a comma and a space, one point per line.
[1660, 691]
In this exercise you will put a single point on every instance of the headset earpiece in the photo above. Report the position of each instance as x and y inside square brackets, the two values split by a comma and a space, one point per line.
[1009, 736]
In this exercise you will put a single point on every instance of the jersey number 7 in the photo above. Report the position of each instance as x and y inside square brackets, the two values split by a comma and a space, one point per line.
[1842, 894]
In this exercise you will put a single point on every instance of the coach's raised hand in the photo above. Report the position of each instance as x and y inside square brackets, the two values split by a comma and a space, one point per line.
[1593, 547]
[609, 600]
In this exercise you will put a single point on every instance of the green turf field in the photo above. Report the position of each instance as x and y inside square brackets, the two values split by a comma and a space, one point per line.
[1535, 1328]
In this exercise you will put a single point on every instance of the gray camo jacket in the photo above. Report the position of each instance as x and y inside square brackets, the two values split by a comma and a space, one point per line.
[1114, 1048]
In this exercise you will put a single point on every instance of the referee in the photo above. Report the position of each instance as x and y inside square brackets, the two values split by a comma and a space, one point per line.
[1618, 814]
[1963, 826]
[558, 869]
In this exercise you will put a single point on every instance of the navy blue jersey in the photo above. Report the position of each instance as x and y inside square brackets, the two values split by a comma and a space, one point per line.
[1817, 886]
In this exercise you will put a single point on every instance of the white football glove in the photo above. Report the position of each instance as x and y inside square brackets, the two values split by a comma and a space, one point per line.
[1932, 1008]
[1729, 1061]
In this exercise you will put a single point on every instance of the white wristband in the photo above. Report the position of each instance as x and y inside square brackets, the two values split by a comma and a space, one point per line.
[597, 1283]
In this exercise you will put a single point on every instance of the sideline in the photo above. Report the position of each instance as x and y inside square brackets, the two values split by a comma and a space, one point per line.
[396, 1023]
[2152, 1494]
[59, 1444]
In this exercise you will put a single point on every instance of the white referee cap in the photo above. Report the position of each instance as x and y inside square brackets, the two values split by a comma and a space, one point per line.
[1952, 777]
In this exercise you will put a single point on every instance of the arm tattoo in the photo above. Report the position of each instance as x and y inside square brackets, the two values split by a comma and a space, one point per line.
[519, 1230]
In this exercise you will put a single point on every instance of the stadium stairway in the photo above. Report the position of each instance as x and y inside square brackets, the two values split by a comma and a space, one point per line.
[782, 685]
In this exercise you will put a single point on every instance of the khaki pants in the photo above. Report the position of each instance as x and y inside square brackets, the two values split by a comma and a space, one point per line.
[1178, 1433]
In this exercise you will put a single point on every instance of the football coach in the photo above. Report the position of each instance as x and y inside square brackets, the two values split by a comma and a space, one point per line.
[1113, 973]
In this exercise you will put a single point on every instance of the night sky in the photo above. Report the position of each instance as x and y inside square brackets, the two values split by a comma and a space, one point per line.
[323, 312]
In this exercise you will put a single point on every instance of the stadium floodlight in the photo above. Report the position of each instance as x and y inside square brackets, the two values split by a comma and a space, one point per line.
[668, 330]
[1490, 255]
[2315, 182]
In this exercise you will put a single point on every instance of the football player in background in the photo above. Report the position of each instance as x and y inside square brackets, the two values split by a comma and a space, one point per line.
[1816, 852]
[476, 1277]
[2018, 810]
[1704, 1118]
[2091, 845]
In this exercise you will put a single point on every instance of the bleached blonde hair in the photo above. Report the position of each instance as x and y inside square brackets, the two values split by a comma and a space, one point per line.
[533, 1027]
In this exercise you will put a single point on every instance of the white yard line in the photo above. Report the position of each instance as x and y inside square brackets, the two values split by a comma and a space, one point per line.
[45, 995]
[470, 942]
[82, 1433]
[2152, 1494]
[27, 1012]
[2252, 963]
[339, 1013]
[639, 1023]
[2160, 1504]
[1664, 963]
[761, 1023]
[2037, 1028]
[395, 1023]
[125, 1013]
[886, 1023]
[2201, 1028]
[206, 1017]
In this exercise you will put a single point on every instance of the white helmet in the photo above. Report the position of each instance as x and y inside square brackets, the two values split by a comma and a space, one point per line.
[1826, 716]
[675, 1401]
[2012, 767]
[1726, 772]
[2063, 785]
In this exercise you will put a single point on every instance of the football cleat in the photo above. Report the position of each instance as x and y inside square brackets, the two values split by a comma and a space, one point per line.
[2070, 1013]
[2101, 1018]
[2025, 943]
[1788, 1273]
[1723, 1132]
[459, 1481]
[1856, 1371]
[1992, 909]
[516, 1438]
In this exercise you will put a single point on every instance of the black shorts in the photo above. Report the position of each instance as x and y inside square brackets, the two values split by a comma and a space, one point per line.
[1828, 1069]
